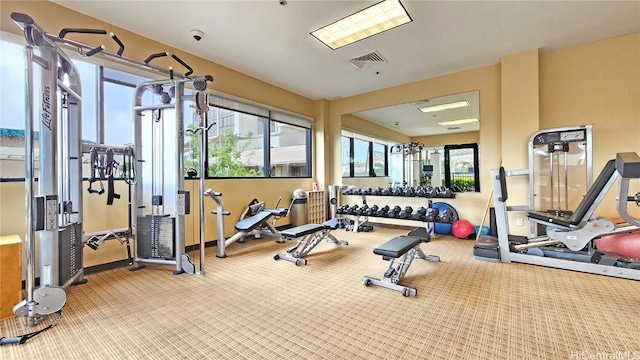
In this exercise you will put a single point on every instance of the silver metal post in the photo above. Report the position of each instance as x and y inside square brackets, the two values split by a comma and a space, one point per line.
[29, 188]
[203, 172]
[551, 177]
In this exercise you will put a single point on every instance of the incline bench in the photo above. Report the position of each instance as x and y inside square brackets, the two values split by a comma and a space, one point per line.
[246, 226]
[310, 235]
[401, 251]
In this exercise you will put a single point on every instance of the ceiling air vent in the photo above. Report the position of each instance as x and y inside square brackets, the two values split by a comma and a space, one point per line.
[368, 60]
[422, 102]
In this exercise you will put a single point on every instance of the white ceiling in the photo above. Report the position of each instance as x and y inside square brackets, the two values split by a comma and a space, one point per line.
[272, 43]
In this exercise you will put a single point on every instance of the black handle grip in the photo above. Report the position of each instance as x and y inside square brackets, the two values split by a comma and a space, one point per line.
[95, 191]
[120, 44]
[95, 51]
[65, 31]
[22, 18]
[176, 58]
[153, 56]
[13, 340]
[209, 78]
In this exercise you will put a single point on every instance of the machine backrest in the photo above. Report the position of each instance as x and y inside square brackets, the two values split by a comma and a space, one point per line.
[502, 176]
[593, 193]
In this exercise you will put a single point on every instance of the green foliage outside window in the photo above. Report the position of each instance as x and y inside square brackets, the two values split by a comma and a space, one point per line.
[225, 159]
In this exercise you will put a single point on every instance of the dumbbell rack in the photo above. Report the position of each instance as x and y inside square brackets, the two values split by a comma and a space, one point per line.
[359, 220]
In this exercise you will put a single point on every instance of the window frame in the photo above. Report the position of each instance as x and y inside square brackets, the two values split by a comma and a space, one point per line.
[476, 164]
[351, 137]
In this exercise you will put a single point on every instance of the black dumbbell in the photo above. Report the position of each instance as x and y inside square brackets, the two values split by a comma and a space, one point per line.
[419, 213]
[406, 213]
[361, 210]
[393, 213]
[432, 215]
[371, 211]
[342, 209]
[383, 211]
[409, 192]
[446, 216]
[352, 210]
[397, 192]
[387, 192]
[449, 194]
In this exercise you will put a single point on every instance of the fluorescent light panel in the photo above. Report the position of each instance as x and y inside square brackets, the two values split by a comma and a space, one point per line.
[458, 122]
[453, 105]
[373, 20]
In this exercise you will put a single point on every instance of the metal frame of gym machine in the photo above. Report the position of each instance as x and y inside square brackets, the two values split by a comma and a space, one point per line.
[554, 139]
[160, 200]
[56, 212]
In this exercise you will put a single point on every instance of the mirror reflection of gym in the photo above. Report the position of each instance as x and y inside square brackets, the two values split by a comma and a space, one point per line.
[443, 150]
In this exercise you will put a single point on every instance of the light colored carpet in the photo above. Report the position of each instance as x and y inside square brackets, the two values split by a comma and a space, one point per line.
[249, 306]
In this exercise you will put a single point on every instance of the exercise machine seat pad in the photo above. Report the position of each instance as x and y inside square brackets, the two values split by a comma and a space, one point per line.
[331, 224]
[397, 246]
[301, 230]
[252, 222]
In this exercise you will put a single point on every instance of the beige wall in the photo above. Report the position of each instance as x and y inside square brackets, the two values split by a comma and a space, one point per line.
[596, 83]
[599, 84]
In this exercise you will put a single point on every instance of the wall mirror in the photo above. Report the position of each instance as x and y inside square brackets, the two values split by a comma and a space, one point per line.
[443, 146]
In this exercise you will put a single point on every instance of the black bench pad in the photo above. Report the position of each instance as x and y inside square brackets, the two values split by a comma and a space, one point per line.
[252, 222]
[301, 230]
[397, 246]
[307, 229]
[549, 218]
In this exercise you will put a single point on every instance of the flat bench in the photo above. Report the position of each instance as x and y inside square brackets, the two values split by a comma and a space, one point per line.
[309, 236]
[400, 251]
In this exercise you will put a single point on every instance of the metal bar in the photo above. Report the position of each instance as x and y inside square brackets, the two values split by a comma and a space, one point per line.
[80, 47]
[29, 186]
[203, 171]
[153, 107]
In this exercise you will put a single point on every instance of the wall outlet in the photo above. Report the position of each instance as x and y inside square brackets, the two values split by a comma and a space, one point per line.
[519, 222]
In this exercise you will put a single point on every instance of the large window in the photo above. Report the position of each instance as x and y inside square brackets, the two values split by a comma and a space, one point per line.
[238, 135]
[288, 150]
[363, 156]
[118, 90]
[236, 144]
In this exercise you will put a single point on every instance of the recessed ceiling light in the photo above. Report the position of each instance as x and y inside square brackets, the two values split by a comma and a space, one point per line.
[458, 122]
[453, 105]
[373, 20]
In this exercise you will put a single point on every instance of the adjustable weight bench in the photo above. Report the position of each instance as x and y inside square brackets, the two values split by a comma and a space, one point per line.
[400, 251]
[310, 235]
[248, 225]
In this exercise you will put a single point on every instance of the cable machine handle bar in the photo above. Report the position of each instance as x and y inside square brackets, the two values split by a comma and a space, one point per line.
[120, 44]
[176, 58]
[66, 31]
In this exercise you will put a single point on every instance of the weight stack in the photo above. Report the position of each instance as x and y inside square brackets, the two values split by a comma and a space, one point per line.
[156, 237]
[70, 252]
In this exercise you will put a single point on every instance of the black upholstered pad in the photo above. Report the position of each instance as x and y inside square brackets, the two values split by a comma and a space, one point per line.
[301, 230]
[331, 224]
[278, 212]
[397, 246]
[253, 222]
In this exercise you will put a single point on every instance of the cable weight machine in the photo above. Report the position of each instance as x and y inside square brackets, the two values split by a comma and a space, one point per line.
[161, 201]
[53, 227]
[55, 214]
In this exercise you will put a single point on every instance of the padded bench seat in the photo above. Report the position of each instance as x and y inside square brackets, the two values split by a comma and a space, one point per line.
[252, 222]
[308, 235]
[397, 246]
[301, 230]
